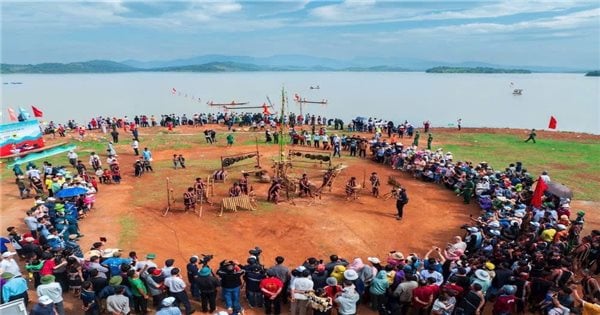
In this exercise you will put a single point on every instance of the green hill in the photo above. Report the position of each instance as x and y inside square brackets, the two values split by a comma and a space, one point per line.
[93, 66]
[474, 70]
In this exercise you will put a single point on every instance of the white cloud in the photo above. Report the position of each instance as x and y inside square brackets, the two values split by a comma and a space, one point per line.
[500, 9]
[574, 20]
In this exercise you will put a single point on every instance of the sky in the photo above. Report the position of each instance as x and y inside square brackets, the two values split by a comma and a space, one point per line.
[542, 33]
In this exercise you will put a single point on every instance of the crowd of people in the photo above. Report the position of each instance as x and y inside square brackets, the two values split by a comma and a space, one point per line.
[524, 253]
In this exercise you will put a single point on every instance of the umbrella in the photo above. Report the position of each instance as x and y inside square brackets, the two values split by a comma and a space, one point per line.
[71, 192]
[559, 190]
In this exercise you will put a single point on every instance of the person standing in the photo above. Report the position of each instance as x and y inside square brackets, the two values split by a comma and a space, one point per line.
[115, 135]
[375, 183]
[468, 191]
[176, 287]
[459, 123]
[136, 146]
[416, 139]
[532, 136]
[52, 290]
[271, 288]
[72, 158]
[118, 303]
[401, 201]
[429, 140]
[181, 160]
[230, 140]
[231, 282]
[139, 292]
[207, 284]
[299, 287]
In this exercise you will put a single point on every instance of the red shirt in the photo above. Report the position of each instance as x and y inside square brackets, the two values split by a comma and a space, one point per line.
[423, 293]
[48, 267]
[332, 290]
[271, 284]
[456, 289]
[504, 304]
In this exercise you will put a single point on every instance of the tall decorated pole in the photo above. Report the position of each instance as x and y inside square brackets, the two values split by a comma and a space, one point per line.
[282, 128]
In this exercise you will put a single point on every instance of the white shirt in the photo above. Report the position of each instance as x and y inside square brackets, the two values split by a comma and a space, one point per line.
[72, 155]
[175, 284]
[303, 285]
[118, 303]
[141, 264]
[10, 265]
[135, 144]
[52, 290]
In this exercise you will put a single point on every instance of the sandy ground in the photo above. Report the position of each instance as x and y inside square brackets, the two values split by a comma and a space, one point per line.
[296, 229]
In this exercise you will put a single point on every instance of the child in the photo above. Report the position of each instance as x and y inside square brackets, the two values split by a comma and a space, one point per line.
[175, 161]
[181, 160]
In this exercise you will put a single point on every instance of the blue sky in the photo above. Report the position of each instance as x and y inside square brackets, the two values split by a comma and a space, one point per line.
[562, 33]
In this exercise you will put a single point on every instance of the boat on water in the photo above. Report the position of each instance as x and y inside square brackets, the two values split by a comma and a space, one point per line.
[233, 103]
[304, 101]
[245, 107]
[518, 92]
[315, 87]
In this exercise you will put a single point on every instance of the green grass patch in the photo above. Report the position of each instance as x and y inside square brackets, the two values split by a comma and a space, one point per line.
[574, 164]
[128, 230]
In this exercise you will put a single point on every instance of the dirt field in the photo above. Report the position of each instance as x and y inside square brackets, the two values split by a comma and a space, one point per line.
[130, 215]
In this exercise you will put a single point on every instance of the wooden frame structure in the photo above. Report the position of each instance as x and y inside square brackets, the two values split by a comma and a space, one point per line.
[230, 160]
[171, 198]
[314, 156]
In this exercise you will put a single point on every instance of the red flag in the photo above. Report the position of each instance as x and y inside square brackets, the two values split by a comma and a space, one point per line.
[37, 112]
[540, 188]
[552, 123]
[12, 115]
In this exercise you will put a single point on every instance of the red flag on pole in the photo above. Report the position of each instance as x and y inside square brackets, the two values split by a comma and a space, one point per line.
[552, 123]
[540, 188]
[37, 112]
[12, 115]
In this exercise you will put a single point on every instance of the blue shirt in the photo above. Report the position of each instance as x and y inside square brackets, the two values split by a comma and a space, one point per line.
[147, 155]
[13, 287]
[114, 264]
[3, 242]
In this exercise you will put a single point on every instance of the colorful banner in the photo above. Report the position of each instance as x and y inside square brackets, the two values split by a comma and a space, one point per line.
[16, 138]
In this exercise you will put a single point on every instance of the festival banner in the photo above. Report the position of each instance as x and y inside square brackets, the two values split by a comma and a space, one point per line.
[20, 137]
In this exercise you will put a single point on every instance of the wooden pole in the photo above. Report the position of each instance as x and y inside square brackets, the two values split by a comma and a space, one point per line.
[168, 198]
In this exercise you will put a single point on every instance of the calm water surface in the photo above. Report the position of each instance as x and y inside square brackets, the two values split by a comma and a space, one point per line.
[481, 100]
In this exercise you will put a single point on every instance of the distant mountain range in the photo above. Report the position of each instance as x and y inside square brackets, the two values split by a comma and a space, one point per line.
[222, 63]
[475, 70]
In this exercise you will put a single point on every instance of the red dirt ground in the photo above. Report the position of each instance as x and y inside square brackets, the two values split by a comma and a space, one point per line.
[296, 230]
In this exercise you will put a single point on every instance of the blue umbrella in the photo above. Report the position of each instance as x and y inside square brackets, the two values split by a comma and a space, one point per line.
[71, 192]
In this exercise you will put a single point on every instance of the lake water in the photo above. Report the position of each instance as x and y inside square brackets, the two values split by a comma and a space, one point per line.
[481, 100]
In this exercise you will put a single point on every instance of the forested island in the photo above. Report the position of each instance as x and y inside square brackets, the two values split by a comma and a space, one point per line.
[474, 70]
[595, 73]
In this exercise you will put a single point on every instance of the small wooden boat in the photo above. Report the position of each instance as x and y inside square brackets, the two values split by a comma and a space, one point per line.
[303, 101]
[233, 103]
